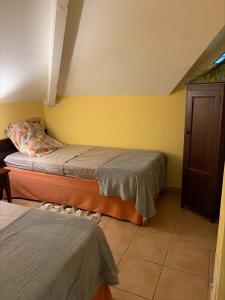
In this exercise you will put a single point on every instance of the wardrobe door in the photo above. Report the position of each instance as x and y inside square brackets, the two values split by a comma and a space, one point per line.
[202, 130]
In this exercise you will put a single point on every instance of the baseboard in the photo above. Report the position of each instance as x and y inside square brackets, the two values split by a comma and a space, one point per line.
[213, 288]
[211, 292]
[172, 189]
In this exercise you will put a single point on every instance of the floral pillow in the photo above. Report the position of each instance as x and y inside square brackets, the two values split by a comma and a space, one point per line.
[30, 138]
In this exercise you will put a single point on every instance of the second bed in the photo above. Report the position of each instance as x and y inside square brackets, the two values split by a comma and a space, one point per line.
[122, 183]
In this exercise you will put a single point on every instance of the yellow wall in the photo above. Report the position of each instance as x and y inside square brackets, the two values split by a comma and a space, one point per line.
[220, 252]
[147, 122]
[10, 112]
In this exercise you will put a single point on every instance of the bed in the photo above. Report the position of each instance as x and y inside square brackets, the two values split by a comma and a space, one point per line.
[47, 255]
[122, 183]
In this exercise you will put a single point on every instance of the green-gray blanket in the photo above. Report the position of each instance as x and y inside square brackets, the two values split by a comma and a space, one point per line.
[135, 175]
[51, 256]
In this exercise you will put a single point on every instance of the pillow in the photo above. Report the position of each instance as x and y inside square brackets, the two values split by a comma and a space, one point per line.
[30, 138]
[35, 123]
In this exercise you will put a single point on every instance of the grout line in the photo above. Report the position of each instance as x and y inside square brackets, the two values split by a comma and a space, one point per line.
[131, 293]
[124, 252]
[163, 265]
[193, 245]
[186, 272]
[144, 259]
[178, 219]
[104, 224]
[157, 283]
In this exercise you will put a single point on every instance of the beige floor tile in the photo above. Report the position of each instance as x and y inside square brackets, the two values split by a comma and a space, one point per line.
[177, 285]
[169, 201]
[188, 258]
[188, 216]
[193, 234]
[138, 276]
[168, 217]
[171, 204]
[104, 221]
[169, 211]
[118, 239]
[158, 228]
[174, 196]
[122, 224]
[147, 247]
[122, 295]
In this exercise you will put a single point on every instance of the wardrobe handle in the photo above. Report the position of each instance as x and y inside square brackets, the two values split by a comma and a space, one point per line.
[188, 132]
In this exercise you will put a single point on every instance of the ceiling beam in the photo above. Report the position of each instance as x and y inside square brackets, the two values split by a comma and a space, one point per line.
[58, 24]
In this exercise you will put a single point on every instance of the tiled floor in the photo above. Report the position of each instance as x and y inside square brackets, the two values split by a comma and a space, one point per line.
[170, 259]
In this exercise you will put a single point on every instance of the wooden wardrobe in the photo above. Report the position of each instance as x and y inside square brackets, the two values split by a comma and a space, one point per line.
[204, 148]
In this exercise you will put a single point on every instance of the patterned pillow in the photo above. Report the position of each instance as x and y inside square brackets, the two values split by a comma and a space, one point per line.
[35, 123]
[30, 138]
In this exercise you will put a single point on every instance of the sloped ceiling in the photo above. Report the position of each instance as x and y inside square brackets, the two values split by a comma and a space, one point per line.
[139, 47]
[24, 49]
[205, 63]
[111, 47]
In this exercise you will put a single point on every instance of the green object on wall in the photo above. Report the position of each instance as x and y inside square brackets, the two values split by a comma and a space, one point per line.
[216, 74]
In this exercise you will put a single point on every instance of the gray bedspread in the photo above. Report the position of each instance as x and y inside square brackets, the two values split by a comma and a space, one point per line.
[55, 161]
[86, 164]
[73, 160]
[52, 256]
[135, 175]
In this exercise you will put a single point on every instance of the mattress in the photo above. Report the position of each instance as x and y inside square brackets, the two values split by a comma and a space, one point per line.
[74, 160]
[19, 160]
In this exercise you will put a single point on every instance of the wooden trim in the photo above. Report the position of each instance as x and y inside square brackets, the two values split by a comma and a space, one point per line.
[6, 148]
[205, 87]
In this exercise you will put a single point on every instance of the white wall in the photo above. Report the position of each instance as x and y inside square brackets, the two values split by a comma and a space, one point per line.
[139, 47]
[24, 49]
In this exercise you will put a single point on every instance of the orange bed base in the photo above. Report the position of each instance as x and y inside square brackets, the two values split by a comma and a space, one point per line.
[77, 192]
[103, 293]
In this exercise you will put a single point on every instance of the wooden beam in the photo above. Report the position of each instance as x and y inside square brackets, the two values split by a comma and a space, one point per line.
[58, 24]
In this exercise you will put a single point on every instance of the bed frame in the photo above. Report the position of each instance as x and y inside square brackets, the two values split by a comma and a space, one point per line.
[77, 192]
[6, 148]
